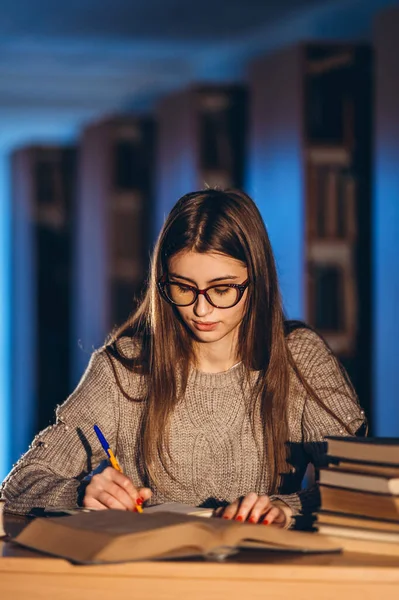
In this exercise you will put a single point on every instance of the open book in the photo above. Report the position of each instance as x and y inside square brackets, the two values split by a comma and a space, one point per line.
[116, 536]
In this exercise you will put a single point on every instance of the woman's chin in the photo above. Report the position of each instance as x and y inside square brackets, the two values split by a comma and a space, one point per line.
[206, 336]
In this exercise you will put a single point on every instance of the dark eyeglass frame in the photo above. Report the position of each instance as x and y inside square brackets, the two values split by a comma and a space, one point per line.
[163, 282]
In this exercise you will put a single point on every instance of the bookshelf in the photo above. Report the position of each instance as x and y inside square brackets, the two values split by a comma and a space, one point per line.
[337, 134]
[202, 142]
[43, 188]
[113, 236]
[310, 172]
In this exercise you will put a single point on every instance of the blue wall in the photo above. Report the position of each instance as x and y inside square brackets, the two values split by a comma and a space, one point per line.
[386, 228]
[5, 317]
[275, 167]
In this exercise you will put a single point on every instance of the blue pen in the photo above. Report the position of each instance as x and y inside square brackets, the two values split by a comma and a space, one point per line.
[107, 448]
[111, 456]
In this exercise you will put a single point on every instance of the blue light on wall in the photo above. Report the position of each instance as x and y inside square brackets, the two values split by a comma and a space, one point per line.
[276, 186]
[275, 174]
[5, 319]
[386, 228]
[386, 290]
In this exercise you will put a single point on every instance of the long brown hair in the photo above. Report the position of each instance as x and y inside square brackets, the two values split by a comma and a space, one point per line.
[230, 223]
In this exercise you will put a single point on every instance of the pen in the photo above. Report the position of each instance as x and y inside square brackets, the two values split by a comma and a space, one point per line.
[111, 456]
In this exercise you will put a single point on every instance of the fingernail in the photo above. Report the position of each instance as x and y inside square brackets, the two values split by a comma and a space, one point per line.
[265, 522]
[225, 517]
[239, 518]
[252, 520]
[139, 501]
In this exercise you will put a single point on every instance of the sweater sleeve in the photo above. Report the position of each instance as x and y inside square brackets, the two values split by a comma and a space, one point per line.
[60, 456]
[338, 414]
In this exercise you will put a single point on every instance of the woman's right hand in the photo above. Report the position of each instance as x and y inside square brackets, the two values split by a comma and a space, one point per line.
[112, 489]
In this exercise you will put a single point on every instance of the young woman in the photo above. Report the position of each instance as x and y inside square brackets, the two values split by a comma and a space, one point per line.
[206, 395]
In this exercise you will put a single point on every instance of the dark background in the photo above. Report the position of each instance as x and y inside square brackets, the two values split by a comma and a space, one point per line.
[110, 110]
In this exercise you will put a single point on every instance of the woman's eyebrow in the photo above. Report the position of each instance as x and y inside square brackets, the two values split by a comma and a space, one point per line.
[177, 276]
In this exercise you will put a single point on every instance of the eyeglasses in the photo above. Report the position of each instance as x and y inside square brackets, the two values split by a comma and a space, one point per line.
[226, 295]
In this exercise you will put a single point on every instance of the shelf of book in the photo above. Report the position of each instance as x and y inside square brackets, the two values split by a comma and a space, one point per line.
[114, 226]
[43, 192]
[310, 172]
[202, 142]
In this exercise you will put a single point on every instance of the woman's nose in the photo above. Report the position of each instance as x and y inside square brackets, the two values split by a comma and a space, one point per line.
[202, 306]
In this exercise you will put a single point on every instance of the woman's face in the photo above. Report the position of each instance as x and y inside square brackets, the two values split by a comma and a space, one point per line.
[207, 323]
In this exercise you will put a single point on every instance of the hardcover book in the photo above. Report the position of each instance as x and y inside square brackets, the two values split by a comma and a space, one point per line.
[111, 536]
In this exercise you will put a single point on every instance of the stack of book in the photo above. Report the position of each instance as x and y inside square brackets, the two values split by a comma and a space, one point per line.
[360, 494]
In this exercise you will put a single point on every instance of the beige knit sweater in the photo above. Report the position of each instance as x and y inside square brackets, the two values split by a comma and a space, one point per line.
[216, 455]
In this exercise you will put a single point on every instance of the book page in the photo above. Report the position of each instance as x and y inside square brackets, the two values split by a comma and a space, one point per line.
[244, 535]
[177, 507]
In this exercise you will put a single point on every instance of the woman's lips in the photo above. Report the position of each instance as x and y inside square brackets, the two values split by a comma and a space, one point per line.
[205, 326]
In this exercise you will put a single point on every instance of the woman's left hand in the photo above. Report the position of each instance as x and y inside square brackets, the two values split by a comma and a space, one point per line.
[256, 509]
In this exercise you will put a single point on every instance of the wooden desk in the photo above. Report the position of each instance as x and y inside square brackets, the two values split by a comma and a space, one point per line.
[26, 575]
